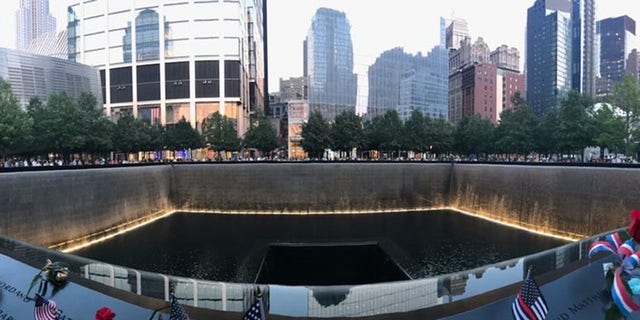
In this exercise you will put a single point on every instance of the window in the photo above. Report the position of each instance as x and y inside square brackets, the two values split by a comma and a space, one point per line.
[148, 82]
[120, 86]
[207, 79]
[177, 80]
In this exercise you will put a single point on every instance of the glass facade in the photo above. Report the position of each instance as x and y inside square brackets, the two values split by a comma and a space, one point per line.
[384, 79]
[332, 83]
[40, 76]
[405, 83]
[615, 36]
[549, 53]
[172, 55]
[583, 20]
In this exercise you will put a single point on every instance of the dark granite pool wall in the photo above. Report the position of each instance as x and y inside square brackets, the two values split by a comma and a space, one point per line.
[49, 207]
[324, 187]
[574, 201]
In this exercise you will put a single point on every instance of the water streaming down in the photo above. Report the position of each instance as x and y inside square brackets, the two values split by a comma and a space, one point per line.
[232, 248]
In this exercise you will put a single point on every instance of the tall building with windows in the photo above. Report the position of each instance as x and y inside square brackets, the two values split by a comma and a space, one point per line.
[404, 82]
[385, 76]
[615, 37]
[455, 33]
[332, 84]
[633, 64]
[293, 89]
[483, 82]
[173, 59]
[425, 87]
[32, 21]
[583, 47]
[548, 53]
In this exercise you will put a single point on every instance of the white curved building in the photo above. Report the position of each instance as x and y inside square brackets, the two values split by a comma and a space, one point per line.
[164, 60]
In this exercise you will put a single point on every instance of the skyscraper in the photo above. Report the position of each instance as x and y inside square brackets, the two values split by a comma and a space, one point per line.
[548, 53]
[456, 32]
[615, 37]
[633, 64]
[404, 82]
[384, 80]
[583, 21]
[332, 83]
[425, 87]
[33, 20]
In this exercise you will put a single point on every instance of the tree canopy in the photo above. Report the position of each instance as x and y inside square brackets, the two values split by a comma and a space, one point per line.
[15, 124]
[261, 135]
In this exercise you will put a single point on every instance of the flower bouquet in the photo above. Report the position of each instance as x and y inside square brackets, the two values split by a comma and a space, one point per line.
[55, 273]
[622, 275]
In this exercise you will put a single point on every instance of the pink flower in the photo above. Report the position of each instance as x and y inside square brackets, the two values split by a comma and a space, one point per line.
[105, 314]
[634, 227]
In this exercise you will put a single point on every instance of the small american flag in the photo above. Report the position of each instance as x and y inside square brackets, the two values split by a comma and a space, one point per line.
[45, 309]
[177, 311]
[255, 312]
[529, 304]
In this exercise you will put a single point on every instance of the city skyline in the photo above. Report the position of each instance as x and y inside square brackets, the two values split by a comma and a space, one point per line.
[413, 30]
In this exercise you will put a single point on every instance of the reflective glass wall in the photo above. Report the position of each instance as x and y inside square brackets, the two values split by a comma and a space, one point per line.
[160, 60]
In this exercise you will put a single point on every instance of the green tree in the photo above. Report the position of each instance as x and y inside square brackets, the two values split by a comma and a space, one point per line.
[182, 136]
[516, 131]
[220, 133]
[15, 125]
[414, 132]
[626, 96]
[610, 130]
[440, 133]
[547, 139]
[576, 128]
[315, 135]
[133, 135]
[473, 135]
[392, 129]
[261, 135]
[346, 133]
[96, 126]
[58, 126]
[384, 133]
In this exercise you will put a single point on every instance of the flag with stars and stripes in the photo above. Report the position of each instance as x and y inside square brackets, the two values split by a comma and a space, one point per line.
[177, 310]
[255, 312]
[45, 309]
[529, 304]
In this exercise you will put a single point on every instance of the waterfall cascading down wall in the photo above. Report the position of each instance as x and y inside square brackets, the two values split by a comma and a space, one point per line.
[52, 207]
[310, 187]
[569, 201]
[48, 208]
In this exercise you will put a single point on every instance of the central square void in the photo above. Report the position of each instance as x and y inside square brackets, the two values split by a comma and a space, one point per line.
[328, 264]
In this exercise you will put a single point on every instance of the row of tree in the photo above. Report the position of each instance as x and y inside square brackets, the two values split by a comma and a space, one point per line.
[576, 124]
[66, 126]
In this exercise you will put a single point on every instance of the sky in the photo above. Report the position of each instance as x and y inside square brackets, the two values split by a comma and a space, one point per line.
[376, 26]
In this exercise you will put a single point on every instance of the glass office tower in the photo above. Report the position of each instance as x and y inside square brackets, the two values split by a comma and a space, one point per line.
[549, 54]
[583, 64]
[616, 37]
[33, 20]
[332, 83]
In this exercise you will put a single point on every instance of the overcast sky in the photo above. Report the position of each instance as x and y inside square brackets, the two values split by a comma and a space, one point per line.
[376, 26]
